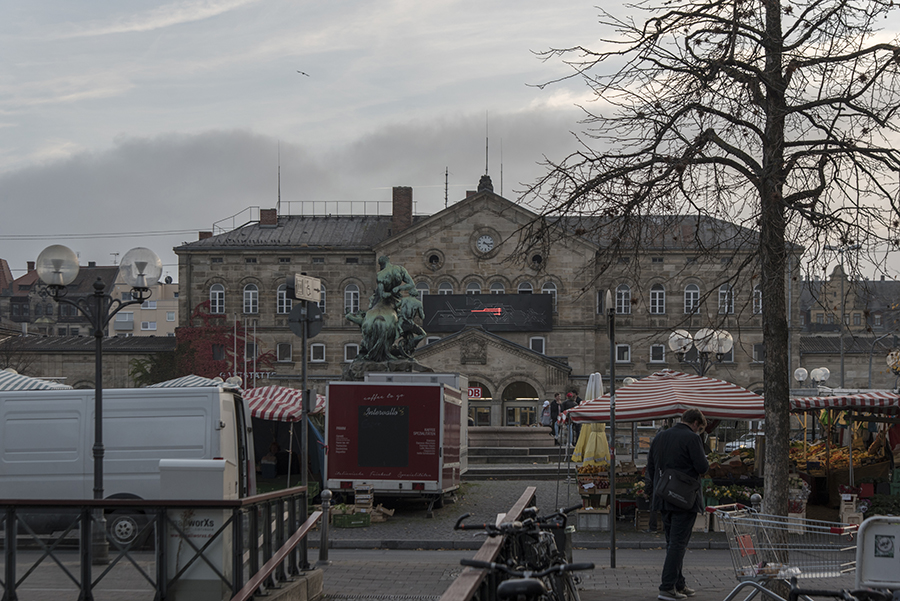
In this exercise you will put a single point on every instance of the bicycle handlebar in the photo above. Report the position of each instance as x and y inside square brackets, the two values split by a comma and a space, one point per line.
[561, 568]
[555, 520]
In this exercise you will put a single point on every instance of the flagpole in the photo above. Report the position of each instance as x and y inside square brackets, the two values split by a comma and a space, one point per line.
[611, 315]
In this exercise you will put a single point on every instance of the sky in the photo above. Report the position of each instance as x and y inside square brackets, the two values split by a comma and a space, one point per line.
[141, 123]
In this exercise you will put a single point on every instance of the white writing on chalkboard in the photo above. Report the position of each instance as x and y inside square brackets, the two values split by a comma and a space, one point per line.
[387, 396]
[372, 411]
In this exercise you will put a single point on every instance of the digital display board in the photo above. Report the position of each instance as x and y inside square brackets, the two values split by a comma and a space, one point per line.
[494, 312]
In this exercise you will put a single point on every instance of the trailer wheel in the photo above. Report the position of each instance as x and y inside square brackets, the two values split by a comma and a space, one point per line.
[439, 501]
[125, 527]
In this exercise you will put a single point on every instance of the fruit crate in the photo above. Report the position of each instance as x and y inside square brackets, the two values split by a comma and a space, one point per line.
[351, 520]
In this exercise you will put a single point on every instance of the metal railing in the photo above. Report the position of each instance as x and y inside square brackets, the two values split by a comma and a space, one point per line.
[248, 545]
[472, 583]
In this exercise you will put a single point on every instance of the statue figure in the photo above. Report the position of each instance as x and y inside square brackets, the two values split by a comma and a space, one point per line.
[389, 331]
[411, 333]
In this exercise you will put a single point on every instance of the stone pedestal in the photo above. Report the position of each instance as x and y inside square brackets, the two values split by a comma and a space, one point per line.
[356, 371]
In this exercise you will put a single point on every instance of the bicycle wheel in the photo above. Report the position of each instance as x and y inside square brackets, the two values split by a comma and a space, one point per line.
[563, 587]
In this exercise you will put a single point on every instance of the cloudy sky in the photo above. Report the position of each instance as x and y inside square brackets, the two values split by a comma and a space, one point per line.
[141, 123]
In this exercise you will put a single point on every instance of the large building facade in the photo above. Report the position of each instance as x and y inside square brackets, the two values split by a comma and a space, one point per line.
[673, 281]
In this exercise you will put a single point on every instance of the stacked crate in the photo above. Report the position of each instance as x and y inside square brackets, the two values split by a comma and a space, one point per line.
[849, 514]
[364, 498]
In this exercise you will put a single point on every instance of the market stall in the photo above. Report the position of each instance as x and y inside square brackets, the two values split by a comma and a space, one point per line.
[862, 456]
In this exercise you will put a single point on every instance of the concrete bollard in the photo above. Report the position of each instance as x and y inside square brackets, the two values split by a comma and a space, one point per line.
[323, 544]
[756, 502]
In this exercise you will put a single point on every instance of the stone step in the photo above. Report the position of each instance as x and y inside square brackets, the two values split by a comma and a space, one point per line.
[508, 459]
[493, 436]
[520, 472]
[517, 451]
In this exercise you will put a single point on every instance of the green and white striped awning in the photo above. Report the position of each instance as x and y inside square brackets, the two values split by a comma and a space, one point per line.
[194, 382]
[13, 381]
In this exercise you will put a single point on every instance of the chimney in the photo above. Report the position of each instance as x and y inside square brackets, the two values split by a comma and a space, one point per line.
[882, 277]
[30, 265]
[268, 217]
[401, 217]
[470, 193]
[204, 235]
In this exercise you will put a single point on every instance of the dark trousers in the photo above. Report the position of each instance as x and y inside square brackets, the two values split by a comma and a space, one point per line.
[678, 526]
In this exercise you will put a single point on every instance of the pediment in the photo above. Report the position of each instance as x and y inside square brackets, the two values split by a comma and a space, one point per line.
[478, 347]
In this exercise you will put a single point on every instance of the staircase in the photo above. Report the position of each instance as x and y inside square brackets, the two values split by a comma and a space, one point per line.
[513, 453]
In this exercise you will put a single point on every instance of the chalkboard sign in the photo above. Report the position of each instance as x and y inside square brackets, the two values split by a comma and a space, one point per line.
[383, 436]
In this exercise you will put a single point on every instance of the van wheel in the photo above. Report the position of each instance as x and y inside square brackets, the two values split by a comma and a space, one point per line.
[124, 528]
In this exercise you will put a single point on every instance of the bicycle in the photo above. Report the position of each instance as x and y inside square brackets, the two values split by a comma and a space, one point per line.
[531, 547]
[528, 585]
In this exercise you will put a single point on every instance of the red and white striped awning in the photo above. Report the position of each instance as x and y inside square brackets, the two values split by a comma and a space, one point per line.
[876, 401]
[277, 403]
[669, 393]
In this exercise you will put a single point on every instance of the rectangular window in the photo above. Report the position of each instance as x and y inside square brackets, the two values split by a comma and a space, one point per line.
[623, 353]
[728, 357]
[250, 350]
[61, 332]
[126, 296]
[218, 352]
[216, 260]
[857, 319]
[876, 319]
[431, 339]
[657, 353]
[317, 352]
[170, 315]
[803, 319]
[350, 352]
[125, 316]
[820, 318]
[250, 259]
[74, 332]
[148, 325]
[846, 319]
[148, 304]
[537, 344]
[318, 260]
[284, 259]
[759, 353]
[656, 260]
[352, 260]
[284, 352]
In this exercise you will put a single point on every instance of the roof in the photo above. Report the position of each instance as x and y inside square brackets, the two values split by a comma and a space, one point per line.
[6, 277]
[81, 286]
[85, 344]
[831, 345]
[330, 231]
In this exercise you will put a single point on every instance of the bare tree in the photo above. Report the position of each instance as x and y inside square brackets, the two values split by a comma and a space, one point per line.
[775, 115]
[13, 355]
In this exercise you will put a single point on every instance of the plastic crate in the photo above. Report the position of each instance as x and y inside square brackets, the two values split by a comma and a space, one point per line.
[351, 520]
[593, 520]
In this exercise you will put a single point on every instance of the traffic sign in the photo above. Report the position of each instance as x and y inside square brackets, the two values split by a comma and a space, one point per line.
[311, 318]
[307, 288]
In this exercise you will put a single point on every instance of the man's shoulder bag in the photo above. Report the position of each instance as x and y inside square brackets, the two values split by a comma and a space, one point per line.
[678, 489]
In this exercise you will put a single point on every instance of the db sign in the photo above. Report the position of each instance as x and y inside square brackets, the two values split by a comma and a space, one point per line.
[475, 392]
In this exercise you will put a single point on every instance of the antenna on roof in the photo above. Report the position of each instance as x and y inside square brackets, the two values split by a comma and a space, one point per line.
[278, 202]
[485, 143]
[446, 185]
[501, 166]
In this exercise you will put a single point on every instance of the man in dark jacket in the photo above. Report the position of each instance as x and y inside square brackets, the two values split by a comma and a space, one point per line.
[678, 448]
[570, 431]
[555, 406]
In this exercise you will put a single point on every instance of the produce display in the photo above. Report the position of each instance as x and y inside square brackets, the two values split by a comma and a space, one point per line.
[736, 463]
[818, 455]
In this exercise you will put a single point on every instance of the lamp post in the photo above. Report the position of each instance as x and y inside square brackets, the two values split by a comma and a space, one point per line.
[57, 267]
[841, 249]
[611, 320]
[707, 341]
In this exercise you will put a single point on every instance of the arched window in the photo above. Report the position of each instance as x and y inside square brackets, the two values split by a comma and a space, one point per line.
[498, 288]
[526, 288]
[422, 287]
[251, 298]
[445, 288]
[550, 288]
[657, 299]
[757, 300]
[691, 298]
[473, 288]
[284, 301]
[623, 299]
[217, 299]
[322, 298]
[351, 299]
[726, 300]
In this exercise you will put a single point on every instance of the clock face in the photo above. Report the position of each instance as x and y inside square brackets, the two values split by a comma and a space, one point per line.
[485, 243]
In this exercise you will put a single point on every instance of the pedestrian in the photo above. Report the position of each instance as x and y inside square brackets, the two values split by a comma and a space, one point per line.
[555, 408]
[677, 448]
[545, 414]
[568, 404]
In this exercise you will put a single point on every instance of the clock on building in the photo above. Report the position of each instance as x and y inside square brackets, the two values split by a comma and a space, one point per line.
[485, 243]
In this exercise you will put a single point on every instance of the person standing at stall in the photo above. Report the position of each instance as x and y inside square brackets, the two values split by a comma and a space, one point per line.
[679, 448]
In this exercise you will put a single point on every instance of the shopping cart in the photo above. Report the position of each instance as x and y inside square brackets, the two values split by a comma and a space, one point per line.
[773, 547]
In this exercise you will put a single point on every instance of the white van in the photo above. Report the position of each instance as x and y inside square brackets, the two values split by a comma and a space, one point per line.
[47, 438]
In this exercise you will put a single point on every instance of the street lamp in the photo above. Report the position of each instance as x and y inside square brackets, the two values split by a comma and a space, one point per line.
[819, 376]
[841, 249]
[707, 341]
[57, 267]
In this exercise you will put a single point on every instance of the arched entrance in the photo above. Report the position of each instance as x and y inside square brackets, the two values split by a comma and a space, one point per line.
[480, 406]
[520, 405]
